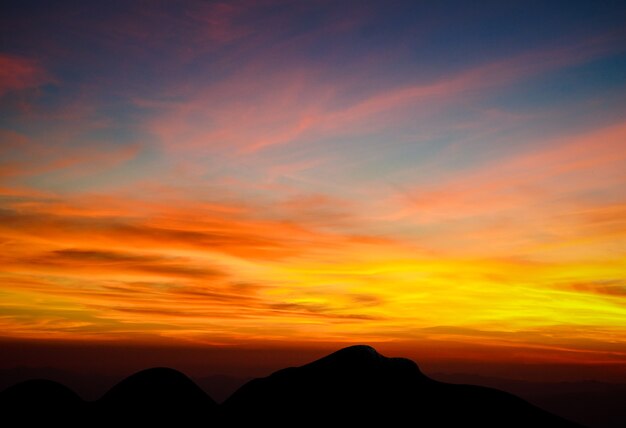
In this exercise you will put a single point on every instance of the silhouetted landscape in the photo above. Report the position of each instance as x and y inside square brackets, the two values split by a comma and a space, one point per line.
[354, 385]
[204, 203]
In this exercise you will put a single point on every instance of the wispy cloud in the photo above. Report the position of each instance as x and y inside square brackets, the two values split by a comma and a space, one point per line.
[245, 172]
[572, 164]
[611, 288]
[278, 106]
[104, 262]
[18, 73]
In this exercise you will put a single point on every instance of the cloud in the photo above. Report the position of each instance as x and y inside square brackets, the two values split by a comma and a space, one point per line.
[615, 288]
[559, 168]
[108, 262]
[37, 160]
[238, 229]
[224, 237]
[367, 299]
[296, 105]
[19, 73]
[141, 265]
[222, 21]
[319, 310]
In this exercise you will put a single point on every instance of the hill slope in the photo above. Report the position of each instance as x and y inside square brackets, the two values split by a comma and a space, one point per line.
[354, 385]
[357, 385]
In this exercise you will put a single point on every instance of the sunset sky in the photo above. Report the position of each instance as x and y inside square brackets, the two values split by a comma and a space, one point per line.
[437, 177]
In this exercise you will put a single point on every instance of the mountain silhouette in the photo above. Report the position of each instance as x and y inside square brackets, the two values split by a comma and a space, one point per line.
[355, 385]
[35, 401]
[158, 395]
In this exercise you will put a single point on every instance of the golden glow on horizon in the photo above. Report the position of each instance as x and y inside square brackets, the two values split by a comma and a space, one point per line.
[252, 181]
[223, 276]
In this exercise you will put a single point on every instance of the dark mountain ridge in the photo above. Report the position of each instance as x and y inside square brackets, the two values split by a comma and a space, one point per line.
[354, 385]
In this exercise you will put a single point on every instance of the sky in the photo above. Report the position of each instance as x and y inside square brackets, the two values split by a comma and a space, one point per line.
[446, 180]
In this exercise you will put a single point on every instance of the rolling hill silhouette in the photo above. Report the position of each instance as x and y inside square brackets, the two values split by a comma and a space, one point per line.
[354, 385]
[41, 401]
[157, 395]
[357, 385]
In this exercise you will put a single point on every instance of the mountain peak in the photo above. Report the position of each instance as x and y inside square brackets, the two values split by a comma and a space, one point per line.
[158, 383]
[355, 385]
[361, 359]
[359, 351]
[157, 396]
[354, 354]
[359, 386]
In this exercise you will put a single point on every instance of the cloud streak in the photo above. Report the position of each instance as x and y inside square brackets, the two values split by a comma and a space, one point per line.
[20, 73]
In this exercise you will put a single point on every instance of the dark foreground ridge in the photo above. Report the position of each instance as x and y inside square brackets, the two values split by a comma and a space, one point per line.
[355, 385]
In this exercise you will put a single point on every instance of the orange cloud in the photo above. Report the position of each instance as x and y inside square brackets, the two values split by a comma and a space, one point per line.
[610, 288]
[104, 262]
[528, 180]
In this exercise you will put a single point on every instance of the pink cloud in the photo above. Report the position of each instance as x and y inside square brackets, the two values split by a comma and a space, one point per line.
[563, 168]
[25, 157]
[222, 21]
[262, 106]
[17, 73]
